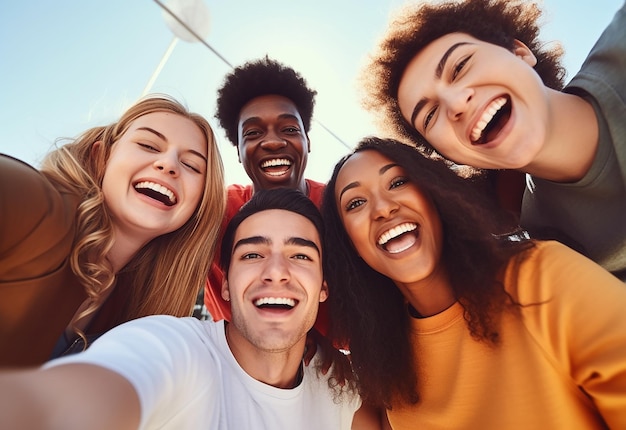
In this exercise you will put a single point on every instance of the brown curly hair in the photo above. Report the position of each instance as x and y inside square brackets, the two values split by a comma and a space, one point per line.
[499, 22]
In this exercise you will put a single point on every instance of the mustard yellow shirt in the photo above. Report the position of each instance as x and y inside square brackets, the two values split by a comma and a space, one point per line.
[561, 363]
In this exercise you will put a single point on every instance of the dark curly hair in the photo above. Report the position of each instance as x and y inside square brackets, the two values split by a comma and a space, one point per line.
[499, 22]
[258, 78]
[368, 311]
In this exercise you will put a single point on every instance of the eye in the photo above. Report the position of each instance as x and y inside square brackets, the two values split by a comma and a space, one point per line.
[302, 257]
[191, 167]
[291, 130]
[429, 116]
[397, 182]
[147, 146]
[250, 256]
[354, 203]
[459, 67]
[251, 133]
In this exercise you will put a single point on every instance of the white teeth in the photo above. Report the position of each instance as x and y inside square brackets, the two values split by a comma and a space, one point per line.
[158, 188]
[279, 173]
[275, 301]
[395, 232]
[276, 162]
[488, 114]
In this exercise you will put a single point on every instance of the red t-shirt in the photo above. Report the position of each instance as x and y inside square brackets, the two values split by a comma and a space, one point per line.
[215, 304]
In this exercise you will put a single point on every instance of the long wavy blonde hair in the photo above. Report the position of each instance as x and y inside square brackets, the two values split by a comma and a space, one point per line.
[168, 272]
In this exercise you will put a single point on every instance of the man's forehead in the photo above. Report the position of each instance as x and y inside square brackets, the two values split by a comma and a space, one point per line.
[277, 225]
[269, 105]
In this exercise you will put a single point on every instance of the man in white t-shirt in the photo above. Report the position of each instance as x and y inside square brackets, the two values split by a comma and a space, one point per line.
[162, 372]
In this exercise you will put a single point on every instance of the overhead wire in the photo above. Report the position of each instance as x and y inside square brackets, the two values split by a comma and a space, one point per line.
[221, 57]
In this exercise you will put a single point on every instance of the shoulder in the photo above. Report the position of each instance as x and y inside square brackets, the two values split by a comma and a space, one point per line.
[239, 192]
[316, 191]
[165, 325]
[315, 185]
[601, 74]
[37, 220]
[20, 177]
[550, 256]
[237, 195]
[323, 382]
[550, 270]
[171, 363]
[154, 344]
[28, 186]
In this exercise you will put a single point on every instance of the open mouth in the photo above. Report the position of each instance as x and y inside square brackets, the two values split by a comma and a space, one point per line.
[400, 238]
[157, 192]
[492, 121]
[276, 166]
[275, 303]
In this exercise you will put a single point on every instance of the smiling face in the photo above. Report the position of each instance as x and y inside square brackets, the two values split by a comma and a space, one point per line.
[275, 281]
[477, 103]
[394, 227]
[273, 144]
[154, 177]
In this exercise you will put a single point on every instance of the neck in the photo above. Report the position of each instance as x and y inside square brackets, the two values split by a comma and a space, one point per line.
[429, 296]
[572, 141]
[123, 249]
[280, 369]
[302, 186]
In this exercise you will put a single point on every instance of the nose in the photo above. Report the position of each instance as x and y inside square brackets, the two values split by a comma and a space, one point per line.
[383, 207]
[276, 270]
[167, 162]
[272, 142]
[456, 101]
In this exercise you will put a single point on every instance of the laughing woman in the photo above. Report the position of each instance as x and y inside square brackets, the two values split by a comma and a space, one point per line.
[451, 322]
[118, 224]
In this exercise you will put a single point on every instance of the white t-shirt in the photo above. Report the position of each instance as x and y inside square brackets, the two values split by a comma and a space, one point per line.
[187, 378]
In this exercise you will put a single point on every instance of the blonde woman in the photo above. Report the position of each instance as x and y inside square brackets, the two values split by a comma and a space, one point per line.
[118, 224]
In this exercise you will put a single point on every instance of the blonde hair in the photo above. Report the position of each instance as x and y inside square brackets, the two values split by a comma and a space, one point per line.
[167, 273]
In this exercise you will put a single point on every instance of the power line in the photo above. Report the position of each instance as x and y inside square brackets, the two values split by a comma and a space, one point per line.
[204, 42]
[200, 39]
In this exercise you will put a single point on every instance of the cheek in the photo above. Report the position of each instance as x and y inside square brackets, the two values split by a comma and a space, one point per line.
[248, 149]
[197, 191]
[107, 185]
[357, 233]
[301, 147]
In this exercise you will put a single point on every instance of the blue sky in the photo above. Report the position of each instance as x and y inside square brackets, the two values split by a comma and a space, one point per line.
[68, 65]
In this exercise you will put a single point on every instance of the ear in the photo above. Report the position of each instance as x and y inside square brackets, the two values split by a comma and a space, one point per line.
[225, 290]
[95, 148]
[522, 51]
[324, 292]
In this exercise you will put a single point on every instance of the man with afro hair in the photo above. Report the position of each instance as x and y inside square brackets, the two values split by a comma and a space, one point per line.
[265, 108]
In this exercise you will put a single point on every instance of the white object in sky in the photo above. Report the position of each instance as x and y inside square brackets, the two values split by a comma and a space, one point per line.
[194, 13]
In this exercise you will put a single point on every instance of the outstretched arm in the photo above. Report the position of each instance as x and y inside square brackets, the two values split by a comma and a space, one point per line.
[67, 397]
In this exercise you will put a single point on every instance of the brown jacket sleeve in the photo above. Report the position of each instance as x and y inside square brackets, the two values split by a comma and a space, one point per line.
[38, 291]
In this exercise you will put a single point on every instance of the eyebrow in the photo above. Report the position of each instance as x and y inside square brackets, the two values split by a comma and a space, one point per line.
[262, 240]
[162, 136]
[355, 184]
[259, 119]
[153, 131]
[438, 72]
